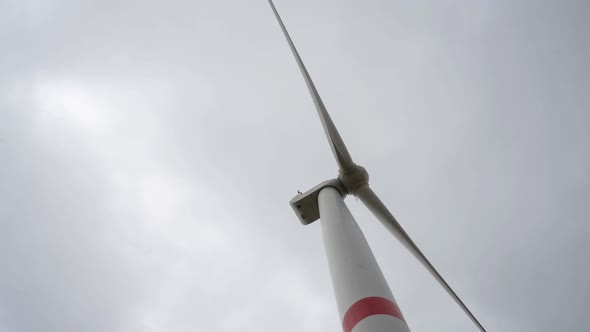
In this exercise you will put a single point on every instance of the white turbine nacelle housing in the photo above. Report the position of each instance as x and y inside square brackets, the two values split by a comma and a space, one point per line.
[305, 204]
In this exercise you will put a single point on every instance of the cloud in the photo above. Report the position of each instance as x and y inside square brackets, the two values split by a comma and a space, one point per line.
[148, 152]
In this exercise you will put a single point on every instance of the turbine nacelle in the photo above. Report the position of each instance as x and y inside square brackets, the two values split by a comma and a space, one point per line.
[306, 205]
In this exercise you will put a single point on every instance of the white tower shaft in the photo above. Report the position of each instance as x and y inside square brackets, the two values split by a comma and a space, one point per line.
[365, 302]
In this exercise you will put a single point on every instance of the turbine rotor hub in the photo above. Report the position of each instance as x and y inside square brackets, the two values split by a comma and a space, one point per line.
[353, 178]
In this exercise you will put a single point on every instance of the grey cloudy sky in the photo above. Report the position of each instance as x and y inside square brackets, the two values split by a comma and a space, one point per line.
[148, 151]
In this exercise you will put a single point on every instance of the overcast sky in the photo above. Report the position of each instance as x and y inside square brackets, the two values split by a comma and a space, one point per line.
[148, 151]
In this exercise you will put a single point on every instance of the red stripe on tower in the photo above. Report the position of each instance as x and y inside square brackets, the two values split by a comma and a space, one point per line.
[366, 307]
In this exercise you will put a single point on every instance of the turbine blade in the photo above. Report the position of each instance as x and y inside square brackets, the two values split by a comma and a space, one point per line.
[374, 204]
[336, 144]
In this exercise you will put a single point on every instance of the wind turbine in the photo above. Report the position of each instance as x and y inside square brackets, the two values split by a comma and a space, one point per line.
[364, 300]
